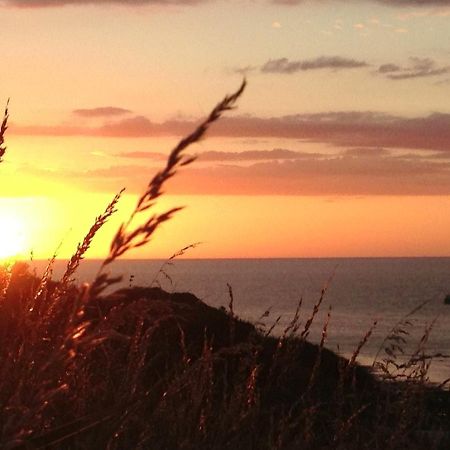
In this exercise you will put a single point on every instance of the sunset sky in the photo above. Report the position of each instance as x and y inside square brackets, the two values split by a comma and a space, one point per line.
[340, 145]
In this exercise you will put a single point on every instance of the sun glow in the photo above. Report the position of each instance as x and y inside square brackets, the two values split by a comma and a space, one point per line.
[13, 236]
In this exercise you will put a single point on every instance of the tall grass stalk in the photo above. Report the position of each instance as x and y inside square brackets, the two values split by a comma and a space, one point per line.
[128, 237]
[3, 128]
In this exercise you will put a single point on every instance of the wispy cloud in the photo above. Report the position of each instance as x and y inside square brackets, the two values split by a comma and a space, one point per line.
[103, 111]
[353, 172]
[224, 156]
[443, 11]
[284, 65]
[136, 126]
[277, 154]
[385, 2]
[352, 129]
[414, 2]
[368, 152]
[142, 155]
[417, 68]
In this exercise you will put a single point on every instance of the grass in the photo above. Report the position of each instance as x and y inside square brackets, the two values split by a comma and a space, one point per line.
[143, 369]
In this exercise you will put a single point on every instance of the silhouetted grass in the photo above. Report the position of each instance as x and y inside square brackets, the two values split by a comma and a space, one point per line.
[3, 128]
[143, 369]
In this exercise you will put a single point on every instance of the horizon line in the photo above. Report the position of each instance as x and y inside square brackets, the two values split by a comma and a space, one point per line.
[249, 258]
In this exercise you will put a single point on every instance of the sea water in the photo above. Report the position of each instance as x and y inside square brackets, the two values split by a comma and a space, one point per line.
[359, 292]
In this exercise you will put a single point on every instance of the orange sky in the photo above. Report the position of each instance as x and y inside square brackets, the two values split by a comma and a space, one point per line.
[340, 145]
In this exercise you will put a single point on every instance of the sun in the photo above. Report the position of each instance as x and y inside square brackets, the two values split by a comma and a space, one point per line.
[13, 237]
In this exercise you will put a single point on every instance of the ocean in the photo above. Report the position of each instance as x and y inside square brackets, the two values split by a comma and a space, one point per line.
[359, 291]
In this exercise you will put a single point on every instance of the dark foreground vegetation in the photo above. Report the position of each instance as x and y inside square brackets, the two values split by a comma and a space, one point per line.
[142, 368]
[139, 368]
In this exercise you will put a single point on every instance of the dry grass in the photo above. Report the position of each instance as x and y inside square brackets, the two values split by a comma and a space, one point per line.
[3, 129]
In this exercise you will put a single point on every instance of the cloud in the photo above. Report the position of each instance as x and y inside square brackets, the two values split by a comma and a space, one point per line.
[283, 65]
[58, 3]
[418, 68]
[443, 11]
[385, 2]
[104, 111]
[440, 155]
[336, 174]
[256, 155]
[136, 126]
[224, 156]
[415, 2]
[142, 155]
[362, 129]
[344, 129]
[130, 127]
[389, 68]
[368, 152]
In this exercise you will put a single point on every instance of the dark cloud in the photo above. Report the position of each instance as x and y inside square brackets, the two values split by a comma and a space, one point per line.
[336, 174]
[418, 68]
[283, 65]
[389, 68]
[58, 3]
[347, 129]
[103, 111]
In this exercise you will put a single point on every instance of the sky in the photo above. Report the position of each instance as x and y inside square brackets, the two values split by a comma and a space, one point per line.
[339, 146]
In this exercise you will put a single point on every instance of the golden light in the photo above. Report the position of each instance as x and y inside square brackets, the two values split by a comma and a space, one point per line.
[13, 236]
